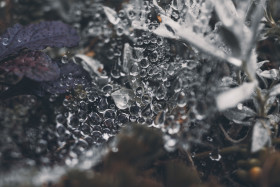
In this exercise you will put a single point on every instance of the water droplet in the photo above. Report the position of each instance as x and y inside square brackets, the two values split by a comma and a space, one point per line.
[64, 59]
[203, 163]
[120, 31]
[141, 120]
[153, 56]
[60, 119]
[139, 91]
[144, 63]
[210, 139]
[73, 122]
[106, 136]
[115, 72]
[143, 73]
[85, 129]
[177, 85]
[95, 118]
[134, 70]
[173, 128]
[107, 89]
[170, 143]
[147, 111]
[215, 156]
[5, 41]
[181, 99]
[161, 92]
[115, 149]
[240, 106]
[103, 104]
[109, 123]
[193, 154]
[60, 129]
[122, 119]
[134, 110]
[171, 69]
[109, 114]
[132, 118]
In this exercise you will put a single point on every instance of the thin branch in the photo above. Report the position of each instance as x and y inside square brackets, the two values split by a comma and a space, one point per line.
[231, 139]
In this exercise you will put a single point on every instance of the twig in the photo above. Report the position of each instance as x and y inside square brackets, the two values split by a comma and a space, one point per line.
[223, 151]
[229, 138]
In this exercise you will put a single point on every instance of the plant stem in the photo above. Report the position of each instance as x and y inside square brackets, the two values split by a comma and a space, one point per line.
[260, 97]
[223, 151]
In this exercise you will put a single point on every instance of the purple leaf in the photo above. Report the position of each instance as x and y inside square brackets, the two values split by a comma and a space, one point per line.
[36, 37]
[34, 65]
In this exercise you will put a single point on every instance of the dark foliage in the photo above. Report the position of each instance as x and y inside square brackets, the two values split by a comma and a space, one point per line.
[34, 65]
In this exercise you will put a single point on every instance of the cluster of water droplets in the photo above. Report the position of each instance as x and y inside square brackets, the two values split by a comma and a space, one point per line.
[144, 78]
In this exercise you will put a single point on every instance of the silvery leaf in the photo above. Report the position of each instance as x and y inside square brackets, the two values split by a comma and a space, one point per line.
[232, 97]
[260, 64]
[270, 101]
[275, 90]
[226, 12]
[261, 136]
[264, 80]
[111, 15]
[255, 27]
[89, 64]
[239, 114]
[270, 74]
[274, 119]
[197, 40]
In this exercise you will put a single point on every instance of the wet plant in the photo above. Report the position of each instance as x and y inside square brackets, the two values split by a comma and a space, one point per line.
[200, 78]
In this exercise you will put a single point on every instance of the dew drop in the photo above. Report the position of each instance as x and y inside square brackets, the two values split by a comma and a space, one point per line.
[134, 110]
[161, 92]
[144, 63]
[215, 157]
[5, 41]
[102, 105]
[134, 70]
[210, 139]
[170, 143]
[139, 91]
[181, 99]
[64, 59]
[147, 111]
